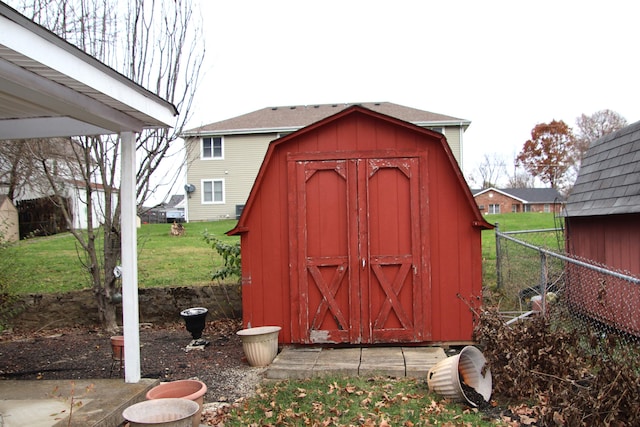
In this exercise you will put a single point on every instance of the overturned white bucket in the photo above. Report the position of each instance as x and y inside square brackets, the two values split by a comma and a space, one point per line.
[170, 412]
[260, 344]
[468, 365]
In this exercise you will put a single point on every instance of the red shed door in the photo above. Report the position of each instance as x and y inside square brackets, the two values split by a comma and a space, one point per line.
[359, 262]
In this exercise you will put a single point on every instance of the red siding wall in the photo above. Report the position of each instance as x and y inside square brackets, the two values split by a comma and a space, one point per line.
[612, 241]
[450, 247]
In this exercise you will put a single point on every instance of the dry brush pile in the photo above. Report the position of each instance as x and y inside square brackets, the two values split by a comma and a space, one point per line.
[571, 377]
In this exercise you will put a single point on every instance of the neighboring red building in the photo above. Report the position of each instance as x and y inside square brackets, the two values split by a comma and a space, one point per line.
[513, 200]
[603, 225]
[360, 228]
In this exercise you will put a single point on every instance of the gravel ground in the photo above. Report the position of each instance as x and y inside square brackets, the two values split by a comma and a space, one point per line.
[86, 354]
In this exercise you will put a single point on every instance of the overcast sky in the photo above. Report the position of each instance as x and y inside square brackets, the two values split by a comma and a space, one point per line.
[503, 65]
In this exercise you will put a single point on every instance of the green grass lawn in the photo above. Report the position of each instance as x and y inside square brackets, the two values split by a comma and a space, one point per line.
[355, 401]
[509, 222]
[54, 263]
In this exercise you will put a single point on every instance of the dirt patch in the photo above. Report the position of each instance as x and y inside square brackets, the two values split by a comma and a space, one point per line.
[84, 353]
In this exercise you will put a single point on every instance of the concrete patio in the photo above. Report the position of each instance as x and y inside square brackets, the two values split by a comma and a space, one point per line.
[97, 403]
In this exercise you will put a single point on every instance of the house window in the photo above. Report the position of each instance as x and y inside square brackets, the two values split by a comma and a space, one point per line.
[213, 191]
[527, 208]
[494, 208]
[212, 148]
[515, 208]
[547, 207]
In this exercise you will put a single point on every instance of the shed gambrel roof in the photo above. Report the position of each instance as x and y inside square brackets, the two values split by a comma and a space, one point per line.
[352, 109]
[609, 179]
[291, 118]
[526, 195]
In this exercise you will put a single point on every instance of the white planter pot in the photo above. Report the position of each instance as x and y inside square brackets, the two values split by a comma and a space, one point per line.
[444, 377]
[161, 412]
[260, 344]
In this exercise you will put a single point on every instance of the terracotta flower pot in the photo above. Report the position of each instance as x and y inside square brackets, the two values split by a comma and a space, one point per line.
[117, 346]
[187, 389]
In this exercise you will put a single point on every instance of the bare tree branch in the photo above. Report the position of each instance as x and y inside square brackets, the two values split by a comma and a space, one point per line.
[158, 45]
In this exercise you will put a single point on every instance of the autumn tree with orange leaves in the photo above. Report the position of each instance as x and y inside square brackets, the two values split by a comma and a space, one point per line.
[548, 155]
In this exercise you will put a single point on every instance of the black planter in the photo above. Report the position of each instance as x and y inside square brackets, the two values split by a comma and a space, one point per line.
[195, 318]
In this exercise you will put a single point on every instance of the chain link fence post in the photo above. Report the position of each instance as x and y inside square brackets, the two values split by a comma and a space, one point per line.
[544, 278]
[498, 257]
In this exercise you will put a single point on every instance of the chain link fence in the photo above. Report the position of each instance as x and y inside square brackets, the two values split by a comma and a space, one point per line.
[600, 302]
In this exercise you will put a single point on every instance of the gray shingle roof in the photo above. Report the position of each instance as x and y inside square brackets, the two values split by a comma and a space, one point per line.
[174, 200]
[296, 117]
[609, 179]
[536, 195]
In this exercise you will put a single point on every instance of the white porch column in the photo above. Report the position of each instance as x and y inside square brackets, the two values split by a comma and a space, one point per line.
[130, 317]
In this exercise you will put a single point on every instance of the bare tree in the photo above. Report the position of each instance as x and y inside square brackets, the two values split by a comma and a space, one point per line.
[21, 165]
[490, 171]
[159, 46]
[15, 167]
[593, 127]
[521, 179]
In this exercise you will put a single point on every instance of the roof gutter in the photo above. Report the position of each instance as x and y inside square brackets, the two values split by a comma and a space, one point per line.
[463, 123]
[241, 131]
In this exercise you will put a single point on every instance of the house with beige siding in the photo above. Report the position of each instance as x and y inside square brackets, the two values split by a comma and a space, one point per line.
[223, 158]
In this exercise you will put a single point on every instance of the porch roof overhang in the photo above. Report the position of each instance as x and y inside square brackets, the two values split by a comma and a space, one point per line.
[50, 88]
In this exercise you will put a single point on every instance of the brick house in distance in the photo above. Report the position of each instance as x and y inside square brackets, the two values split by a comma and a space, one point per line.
[513, 200]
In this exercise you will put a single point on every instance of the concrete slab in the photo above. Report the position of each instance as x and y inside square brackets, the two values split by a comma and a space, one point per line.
[40, 413]
[303, 362]
[294, 363]
[31, 403]
[338, 361]
[385, 361]
[418, 360]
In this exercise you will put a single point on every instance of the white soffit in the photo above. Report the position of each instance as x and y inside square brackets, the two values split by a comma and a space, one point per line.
[43, 77]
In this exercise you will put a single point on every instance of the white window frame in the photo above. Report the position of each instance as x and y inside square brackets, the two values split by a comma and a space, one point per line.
[212, 157]
[493, 207]
[547, 207]
[213, 201]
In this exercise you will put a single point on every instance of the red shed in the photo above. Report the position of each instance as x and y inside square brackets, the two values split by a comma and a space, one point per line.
[603, 225]
[360, 228]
